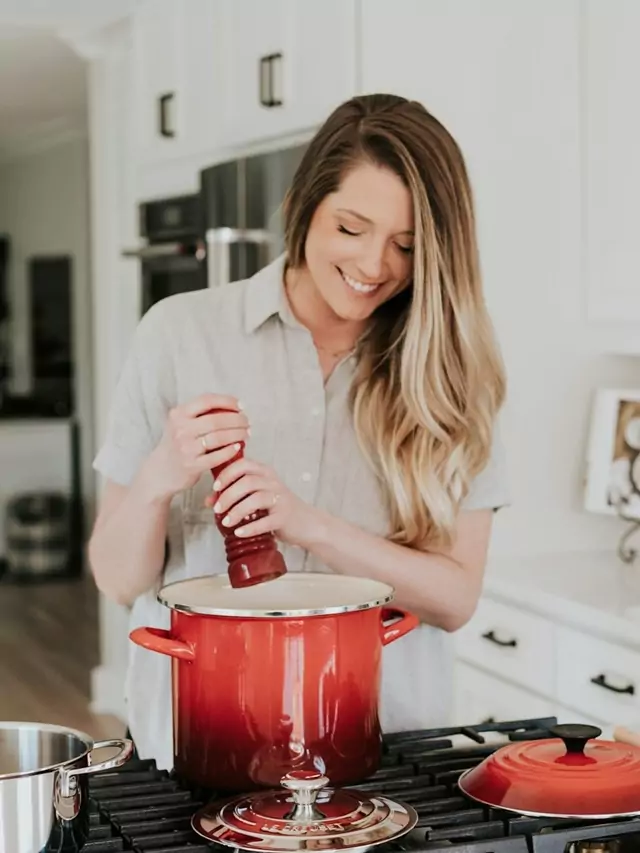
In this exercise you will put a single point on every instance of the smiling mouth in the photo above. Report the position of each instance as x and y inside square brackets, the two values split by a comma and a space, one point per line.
[358, 286]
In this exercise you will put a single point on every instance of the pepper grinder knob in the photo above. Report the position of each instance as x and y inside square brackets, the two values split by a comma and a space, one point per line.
[305, 785]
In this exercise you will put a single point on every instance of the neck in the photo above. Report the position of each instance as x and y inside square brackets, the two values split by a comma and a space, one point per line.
[328, 331]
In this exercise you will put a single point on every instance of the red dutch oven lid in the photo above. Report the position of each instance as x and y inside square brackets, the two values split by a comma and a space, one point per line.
[568, 775]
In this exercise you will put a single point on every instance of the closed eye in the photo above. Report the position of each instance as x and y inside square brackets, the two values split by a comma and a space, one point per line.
[344, 230]
[406, 250]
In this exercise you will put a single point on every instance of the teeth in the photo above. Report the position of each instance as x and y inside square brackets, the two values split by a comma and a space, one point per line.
[358, 285]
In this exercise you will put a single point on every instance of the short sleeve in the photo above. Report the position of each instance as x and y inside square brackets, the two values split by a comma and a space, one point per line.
[144, 394]
[490, 489]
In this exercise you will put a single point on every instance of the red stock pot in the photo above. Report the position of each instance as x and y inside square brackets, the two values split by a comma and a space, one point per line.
[276, 678]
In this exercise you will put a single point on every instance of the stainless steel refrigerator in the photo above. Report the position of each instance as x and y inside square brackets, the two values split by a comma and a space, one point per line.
[242, 209]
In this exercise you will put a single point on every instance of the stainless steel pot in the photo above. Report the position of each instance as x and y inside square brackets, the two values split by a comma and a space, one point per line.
[44, 804]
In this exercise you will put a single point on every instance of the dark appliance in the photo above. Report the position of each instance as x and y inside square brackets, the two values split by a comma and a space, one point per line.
[242, 202]
[5, 245]
[141, 808]
[172, 252]
[52, 361]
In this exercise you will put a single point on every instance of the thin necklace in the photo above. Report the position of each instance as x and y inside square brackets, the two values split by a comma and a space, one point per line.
[334, 353]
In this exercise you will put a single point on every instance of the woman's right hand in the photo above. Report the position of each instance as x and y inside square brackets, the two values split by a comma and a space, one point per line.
[195, 441]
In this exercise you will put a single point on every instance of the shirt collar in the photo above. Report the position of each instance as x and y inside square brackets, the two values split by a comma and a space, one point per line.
[265, 297]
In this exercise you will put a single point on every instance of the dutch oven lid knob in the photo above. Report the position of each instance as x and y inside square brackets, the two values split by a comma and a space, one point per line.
[575, 735]
[305, 785]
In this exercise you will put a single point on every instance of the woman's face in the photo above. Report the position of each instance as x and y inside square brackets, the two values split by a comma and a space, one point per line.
[360, 242]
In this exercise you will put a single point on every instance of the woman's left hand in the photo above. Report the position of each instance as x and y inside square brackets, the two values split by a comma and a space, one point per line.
[244, 487]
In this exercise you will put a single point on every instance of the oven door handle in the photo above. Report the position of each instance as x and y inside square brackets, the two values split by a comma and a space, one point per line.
[219, 242]
[165, 250]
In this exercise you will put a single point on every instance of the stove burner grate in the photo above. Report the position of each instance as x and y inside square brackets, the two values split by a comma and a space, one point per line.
[145, 810]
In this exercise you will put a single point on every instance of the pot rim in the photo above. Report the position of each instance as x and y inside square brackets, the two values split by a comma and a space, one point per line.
[273, 613]
[53, 729]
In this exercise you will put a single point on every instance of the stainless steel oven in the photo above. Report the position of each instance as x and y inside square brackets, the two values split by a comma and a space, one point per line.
[172, 253]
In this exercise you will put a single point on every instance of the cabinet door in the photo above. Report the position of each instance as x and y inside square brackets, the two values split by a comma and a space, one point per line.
[480, 698]
[201, 98]
[612, 165]
[286, 65]
[503, 78]
[158, 79]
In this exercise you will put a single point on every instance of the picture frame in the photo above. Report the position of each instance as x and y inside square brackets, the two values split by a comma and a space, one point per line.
[612, 482]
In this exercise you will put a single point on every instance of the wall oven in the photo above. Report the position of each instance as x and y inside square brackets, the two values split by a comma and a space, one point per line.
[172, 253]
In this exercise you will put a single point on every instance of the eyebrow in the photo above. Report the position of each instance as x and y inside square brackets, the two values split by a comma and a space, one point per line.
[365, 219]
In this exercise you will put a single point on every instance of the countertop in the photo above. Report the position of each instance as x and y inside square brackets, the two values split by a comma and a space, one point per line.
[593, 591]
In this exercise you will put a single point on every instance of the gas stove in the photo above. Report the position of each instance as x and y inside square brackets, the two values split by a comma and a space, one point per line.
[142, 809]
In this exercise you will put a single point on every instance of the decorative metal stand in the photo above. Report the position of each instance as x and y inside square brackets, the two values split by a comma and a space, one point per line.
[626, 552]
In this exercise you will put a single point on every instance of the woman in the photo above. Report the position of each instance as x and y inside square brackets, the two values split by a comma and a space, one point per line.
[370, 380]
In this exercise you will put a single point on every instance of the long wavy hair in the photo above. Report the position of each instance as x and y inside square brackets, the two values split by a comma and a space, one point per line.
[430, 378]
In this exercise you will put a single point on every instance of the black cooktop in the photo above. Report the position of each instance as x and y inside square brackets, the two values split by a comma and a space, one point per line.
[140, 808]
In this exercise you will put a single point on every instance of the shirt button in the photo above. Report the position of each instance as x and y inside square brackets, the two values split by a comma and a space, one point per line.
[306, 477]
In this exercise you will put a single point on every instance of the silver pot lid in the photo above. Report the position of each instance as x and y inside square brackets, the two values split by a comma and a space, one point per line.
[305, 815]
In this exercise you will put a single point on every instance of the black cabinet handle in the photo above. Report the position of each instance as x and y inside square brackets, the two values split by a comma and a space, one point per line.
[163, 115]
[269, 69]
[601, 681]
[264, 80]
[505, 644]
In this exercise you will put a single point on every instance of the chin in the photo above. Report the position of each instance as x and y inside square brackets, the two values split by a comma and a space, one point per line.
[345, 309]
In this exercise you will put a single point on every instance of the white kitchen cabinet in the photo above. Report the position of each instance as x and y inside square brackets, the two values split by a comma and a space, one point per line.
[612, 167]
[517, 645]
[598, 675]
[568, 637]
[503, 78]
[175, 79]
[286, 64]
[159, 78]
[480, 697]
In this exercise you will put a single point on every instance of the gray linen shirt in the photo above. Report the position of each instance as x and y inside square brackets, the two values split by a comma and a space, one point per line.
[243, 340]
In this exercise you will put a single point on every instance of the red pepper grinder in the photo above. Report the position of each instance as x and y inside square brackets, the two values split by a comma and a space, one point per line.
[250, 559]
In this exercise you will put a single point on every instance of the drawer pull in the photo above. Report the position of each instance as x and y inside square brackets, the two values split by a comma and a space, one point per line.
[505, 644]
[601, 681]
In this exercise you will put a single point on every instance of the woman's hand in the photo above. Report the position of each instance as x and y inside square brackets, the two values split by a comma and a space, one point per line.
[246, 487]
[195, 441]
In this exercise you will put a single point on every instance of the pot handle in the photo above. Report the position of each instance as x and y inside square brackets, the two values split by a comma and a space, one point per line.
[404, 622]
[161, 641]
[68, 783]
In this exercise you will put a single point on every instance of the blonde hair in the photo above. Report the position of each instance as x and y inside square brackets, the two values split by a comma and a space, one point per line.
[430, 379]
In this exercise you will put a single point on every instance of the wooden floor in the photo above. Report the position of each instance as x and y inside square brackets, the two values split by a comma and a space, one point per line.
[48, 647]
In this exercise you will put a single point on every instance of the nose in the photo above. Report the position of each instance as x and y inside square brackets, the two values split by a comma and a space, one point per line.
[371, 265]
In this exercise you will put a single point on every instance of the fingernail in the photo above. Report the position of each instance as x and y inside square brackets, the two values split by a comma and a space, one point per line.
[217, 485]
[239, 531]
[237, 446]
[240, 409]
[217, 507]
[226, 521]
[248, 430]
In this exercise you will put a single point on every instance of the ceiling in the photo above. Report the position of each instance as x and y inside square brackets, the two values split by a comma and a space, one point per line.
[42, 79]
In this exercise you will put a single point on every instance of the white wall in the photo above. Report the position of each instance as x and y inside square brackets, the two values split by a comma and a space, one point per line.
[44, 208]
[533, 181]
[508, 80]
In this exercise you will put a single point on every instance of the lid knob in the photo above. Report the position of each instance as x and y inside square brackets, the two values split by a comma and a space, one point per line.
[305, 785]
[575, 735]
